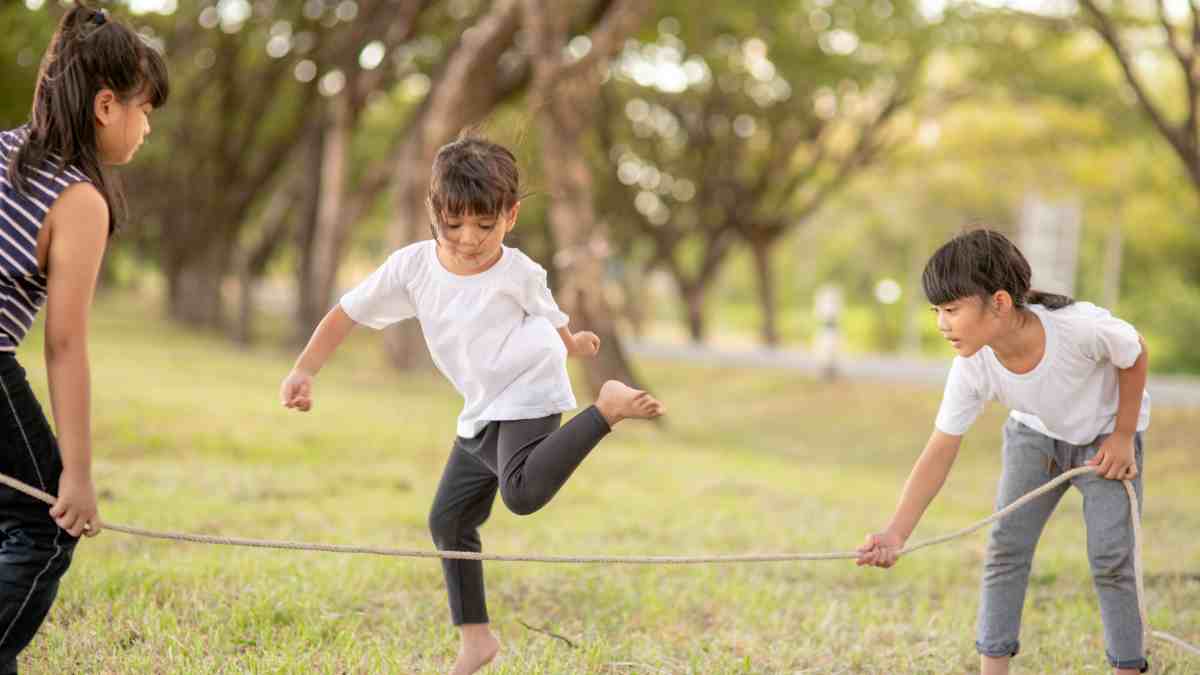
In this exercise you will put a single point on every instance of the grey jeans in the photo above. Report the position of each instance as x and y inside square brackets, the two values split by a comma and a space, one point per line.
[1030, 460]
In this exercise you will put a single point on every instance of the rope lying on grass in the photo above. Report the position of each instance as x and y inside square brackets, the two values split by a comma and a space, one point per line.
[648, 560]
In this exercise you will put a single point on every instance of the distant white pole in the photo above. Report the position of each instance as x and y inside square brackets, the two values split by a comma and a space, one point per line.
[828, 310]
[1049, 238]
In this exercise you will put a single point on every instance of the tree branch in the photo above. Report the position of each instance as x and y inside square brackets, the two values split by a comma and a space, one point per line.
[621, 18]
[1104, 26]
[1187, 62]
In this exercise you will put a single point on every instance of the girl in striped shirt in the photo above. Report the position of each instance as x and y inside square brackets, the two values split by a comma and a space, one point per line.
[96, 87]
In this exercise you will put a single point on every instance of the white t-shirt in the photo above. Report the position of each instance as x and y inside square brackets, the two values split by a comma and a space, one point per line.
[494, 335]
[1071, 395]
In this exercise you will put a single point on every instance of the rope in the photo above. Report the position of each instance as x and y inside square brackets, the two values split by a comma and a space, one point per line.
[648, 560]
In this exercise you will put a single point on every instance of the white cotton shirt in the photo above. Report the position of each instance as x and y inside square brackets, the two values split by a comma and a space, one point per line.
[1071, 395]
[494, 335]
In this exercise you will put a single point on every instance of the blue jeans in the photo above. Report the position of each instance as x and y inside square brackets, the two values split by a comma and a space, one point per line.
[34, 551]
[1032, 459]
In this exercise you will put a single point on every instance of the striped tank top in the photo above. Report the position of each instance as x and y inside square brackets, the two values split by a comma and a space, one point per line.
[22, 284]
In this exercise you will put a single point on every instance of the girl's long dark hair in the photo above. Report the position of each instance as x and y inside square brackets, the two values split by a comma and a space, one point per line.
[979, 263]
[89, 52]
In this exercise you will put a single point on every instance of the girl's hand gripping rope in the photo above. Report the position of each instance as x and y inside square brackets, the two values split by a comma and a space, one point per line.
[881, 549]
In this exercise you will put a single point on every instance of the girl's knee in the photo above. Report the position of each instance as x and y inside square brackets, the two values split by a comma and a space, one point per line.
[442, 525]
[521, 502]
[1010, 549]
[1111, 566]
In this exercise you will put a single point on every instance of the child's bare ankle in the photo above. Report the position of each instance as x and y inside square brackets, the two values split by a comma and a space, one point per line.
[479, 647]
[993, 665]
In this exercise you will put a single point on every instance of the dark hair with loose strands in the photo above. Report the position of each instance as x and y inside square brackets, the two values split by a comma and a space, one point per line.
[978, 263]
[472, 176]
[89, 52]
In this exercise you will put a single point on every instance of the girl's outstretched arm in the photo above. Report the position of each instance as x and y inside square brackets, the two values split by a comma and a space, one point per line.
[926, 479]
[78, 233]
[296, 390]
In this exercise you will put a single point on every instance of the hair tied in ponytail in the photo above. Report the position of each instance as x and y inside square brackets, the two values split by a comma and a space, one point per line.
[99, 17]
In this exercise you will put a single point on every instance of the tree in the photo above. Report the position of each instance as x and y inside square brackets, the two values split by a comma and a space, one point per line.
[339, 205]
[567, 76]
[244, 87]
[735, 129]
[27, 34]
[1131, 31]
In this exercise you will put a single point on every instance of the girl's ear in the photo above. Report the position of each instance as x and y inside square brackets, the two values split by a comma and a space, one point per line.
[1002, 302]
[104, 107]
[512, 216]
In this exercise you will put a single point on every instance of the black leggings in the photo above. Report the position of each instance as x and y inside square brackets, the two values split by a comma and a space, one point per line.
[34, 551]
[527, 461]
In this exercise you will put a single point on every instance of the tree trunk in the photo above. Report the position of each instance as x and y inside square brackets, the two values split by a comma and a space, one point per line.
[580, 266]
[565, 96]
[308, 307]
[243, 332]
[471, 84]
[761, 248]
[694, 297]
[635, 299]
[276, 220]
[914, 309]
[194, 287]
[405, 344]
[1112, 266]
[329, 238]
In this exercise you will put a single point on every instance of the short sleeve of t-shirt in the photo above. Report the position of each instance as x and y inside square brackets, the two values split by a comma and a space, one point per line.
[1114, 340]
[536, 298]
[962, 401]
[382, 299]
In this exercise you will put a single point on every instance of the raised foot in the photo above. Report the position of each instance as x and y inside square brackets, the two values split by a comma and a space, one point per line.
[618, 401]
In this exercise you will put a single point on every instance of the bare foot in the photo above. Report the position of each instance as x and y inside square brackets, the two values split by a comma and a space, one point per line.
[618, 401]
[479, 647]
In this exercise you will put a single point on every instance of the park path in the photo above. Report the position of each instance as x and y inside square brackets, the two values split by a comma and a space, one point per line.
[1167, 390]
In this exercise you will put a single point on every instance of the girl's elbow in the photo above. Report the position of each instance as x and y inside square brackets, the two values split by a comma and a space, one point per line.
[62, 347]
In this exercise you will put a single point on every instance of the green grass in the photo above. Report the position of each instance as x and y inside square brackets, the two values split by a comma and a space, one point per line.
[190, 436]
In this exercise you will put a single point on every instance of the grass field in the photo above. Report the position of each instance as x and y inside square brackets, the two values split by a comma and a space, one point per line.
[190, 436]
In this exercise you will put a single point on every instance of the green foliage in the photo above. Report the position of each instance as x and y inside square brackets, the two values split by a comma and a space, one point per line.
[26, 34]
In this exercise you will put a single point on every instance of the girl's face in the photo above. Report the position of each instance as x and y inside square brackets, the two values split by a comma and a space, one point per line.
[969, 324]
[121, 127]
[473, 241]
